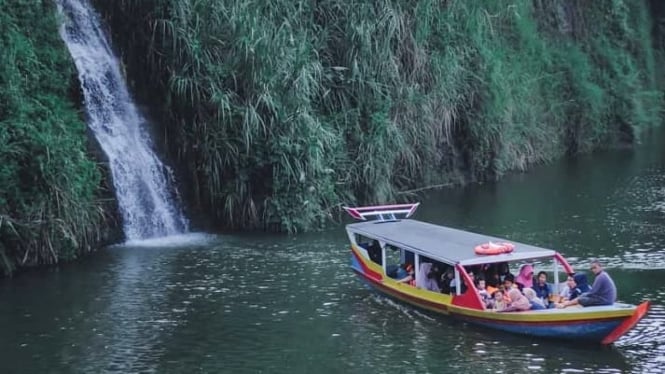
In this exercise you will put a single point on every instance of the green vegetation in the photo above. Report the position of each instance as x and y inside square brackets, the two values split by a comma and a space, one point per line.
[48, 209]
[277, 112]
[280, 110]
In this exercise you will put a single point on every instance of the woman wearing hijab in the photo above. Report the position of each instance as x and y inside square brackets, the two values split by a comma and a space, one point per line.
[581, 286]
[534, 300]
[426, 278]
[525, 277]
[518, 302]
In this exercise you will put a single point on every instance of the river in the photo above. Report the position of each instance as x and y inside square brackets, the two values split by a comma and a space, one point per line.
[290, 304]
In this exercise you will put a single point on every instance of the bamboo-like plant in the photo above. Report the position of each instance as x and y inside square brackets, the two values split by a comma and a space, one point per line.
[280, 111]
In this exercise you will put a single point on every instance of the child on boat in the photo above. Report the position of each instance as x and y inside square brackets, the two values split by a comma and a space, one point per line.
[484, 294]
[497, 302]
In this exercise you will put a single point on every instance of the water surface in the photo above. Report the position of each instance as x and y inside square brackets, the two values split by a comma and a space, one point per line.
[278, 304]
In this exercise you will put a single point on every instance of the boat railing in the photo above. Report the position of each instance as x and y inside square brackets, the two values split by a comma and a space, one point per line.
[382, 212]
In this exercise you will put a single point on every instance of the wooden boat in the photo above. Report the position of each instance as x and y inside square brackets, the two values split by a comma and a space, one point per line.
[386, 237]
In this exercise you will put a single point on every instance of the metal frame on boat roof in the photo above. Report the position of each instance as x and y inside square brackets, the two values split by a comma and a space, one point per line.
[382, 212]
[443, 243]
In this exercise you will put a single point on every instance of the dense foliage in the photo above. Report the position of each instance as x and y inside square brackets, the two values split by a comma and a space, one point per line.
[278, 111]
[48, 183]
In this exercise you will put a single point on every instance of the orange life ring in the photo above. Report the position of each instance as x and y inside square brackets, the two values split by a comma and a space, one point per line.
[494, 248]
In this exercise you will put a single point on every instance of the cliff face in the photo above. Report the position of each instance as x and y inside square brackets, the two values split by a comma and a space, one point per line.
[50, 188]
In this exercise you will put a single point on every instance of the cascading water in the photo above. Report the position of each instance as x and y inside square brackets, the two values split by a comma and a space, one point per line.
[144, 186]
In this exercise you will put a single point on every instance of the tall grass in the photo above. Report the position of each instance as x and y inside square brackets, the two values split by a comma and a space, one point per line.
[48, 183]
[280, 111]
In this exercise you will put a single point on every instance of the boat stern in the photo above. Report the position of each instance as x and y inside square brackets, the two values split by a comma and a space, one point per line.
[627, 324]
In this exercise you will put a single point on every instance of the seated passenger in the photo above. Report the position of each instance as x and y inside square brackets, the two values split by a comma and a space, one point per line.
[409, 278]
[446, 280]
[509, 282]
[482, 291]
[525, 276]
[542, 289]
[577, 285]
[426, 278]
[534, 300]
[374, 252]
[492, 277]
[401, 271]
[497, 302]
[574, 291]
[564, 294]
[503, 269]
[582, 284]
[518, 302]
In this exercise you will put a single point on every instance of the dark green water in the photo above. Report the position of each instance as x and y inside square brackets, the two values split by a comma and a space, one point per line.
[276, 304]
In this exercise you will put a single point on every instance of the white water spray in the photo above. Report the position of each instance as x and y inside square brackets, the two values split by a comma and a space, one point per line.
[144, 186]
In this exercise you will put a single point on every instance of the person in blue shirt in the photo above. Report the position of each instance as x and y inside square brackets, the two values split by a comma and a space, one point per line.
[543, 290]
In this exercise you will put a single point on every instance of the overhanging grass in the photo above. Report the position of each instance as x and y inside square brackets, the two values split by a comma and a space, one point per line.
[281, 111]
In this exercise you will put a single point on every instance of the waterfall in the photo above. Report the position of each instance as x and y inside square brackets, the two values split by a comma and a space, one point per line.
[144, 186]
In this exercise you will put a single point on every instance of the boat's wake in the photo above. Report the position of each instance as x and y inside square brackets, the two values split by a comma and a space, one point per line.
[406, 310]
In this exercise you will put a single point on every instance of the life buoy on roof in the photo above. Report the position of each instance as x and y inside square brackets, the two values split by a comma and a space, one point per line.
[494, 248]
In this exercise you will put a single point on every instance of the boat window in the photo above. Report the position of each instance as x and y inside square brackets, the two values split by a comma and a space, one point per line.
[362, 240]
[372, 246]
[393, 260]
[397, 260]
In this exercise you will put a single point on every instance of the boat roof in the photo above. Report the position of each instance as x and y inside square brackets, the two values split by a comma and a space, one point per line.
[443, 243]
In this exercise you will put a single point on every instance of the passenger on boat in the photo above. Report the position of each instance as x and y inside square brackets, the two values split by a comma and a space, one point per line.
[410, 277]
[581, 285]
[536, 302]
[572, 289]
[504, 270]
[401, 271]
[446, 280]
[543, 290]
[525, 276]
[462, 287]
[498, 301]
[374, 252]
[482, 290]
[518, 302]
[492, 277]
[564, 293]
[426, 278]
[603, 291]
[509, 282]
[490, 289]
